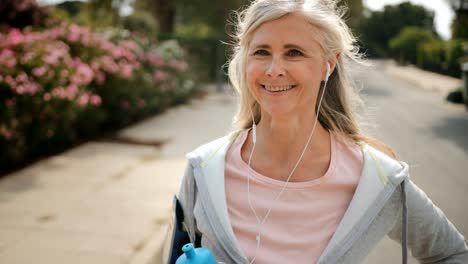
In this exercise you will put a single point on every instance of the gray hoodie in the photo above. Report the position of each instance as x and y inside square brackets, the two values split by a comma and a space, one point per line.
[386, 202]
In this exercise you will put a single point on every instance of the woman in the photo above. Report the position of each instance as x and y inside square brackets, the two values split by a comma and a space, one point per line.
[299, 183]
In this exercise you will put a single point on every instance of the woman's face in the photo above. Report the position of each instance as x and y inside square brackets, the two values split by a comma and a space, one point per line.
[285, 66]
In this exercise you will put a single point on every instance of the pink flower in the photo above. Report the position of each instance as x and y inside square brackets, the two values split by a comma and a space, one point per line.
[28, 56]
[86, 39]
[83, 75]
[55, 51]
[50, 74]
[51, 60]
[109, 65]
[74, 33]
[107, 45]
[94, 65]
[7, 58]
[10, 81]
[19, 89]
[40, 71]
[10, 102]
[11, 63]
[100, 78]
[47, 97]
[6, 54]
[180, 66]
[124, 104]
[71, 90]
[127, 71]
[117, 52]
[59, 92]
[31, 88]
[64, 73]
[22, 77]
[15, 36]
[154, 59]
[160, 76]
[95, 100]
[83, 100]
[131, 45]
[50, 133]
[141, 103]
[6, 133]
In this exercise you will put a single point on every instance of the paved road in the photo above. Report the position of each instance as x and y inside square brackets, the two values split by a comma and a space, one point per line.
[431, 136]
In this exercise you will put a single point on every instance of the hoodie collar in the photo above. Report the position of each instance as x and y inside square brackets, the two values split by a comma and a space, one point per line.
[380, 175]
[379, 178]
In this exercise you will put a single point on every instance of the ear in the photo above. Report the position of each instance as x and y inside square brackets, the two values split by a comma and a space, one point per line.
[332, 64]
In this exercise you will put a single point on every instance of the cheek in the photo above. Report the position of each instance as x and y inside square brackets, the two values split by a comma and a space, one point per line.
[254, 70]
[253, 75]
[308, 74]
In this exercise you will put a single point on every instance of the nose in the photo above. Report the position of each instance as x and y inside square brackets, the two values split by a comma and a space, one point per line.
[275, 68]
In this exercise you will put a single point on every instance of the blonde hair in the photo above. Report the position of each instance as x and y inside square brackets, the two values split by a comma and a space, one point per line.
[338, 110]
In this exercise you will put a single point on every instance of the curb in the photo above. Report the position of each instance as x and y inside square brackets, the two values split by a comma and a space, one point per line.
[152, 250]
[425, 80]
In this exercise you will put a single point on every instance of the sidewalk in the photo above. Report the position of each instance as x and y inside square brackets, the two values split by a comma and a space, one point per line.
[428, 81]
[105, 202]
[109, 202]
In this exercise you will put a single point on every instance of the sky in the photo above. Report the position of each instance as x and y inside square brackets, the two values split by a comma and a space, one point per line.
[443, 13]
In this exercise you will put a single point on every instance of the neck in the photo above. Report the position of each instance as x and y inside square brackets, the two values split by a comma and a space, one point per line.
[283, 140]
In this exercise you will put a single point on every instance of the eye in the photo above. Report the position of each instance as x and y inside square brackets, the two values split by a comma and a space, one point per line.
[261, 53]
[294, 53]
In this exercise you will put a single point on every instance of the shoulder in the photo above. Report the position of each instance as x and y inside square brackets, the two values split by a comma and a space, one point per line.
[214, 147]
[387, 167]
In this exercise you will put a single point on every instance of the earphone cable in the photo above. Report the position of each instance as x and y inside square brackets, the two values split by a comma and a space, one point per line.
[260, 223]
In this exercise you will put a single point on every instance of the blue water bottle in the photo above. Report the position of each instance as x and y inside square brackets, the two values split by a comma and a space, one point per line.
[195, 255]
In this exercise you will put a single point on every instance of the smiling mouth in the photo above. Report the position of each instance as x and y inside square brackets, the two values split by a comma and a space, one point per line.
[278, 88]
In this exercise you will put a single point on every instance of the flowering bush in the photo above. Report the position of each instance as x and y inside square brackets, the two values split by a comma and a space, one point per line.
[66, 82]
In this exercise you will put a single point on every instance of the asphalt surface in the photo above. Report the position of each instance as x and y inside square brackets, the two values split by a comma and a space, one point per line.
[430, 135]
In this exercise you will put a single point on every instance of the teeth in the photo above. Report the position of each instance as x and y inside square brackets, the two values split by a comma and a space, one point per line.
[277, 88]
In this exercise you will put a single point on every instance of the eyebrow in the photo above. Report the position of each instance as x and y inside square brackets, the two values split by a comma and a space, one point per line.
[287, 46]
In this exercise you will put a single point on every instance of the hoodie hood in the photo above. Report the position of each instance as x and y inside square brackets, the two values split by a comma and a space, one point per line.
[379, 178]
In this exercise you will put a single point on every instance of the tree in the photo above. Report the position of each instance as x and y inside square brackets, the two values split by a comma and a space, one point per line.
[378, 27]
[408, 44]
[163, 11]
[22, 13]
[72, 8]
[102, 12]
[460, 22]
[191, 15]
[354, 13]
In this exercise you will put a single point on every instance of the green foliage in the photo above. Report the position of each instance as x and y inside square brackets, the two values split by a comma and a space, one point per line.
[22, 13]
[431, 55]
[72, 8]
[460, 25]
[354, 13]
[378, 27]
[456, 96]
[196, 30]
[141, 21]
[421, 47]
[408, 43]
[460, 22]
[68, 82]
[456, 52]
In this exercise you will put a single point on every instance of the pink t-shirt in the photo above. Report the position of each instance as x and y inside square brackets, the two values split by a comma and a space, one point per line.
[306, 215]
